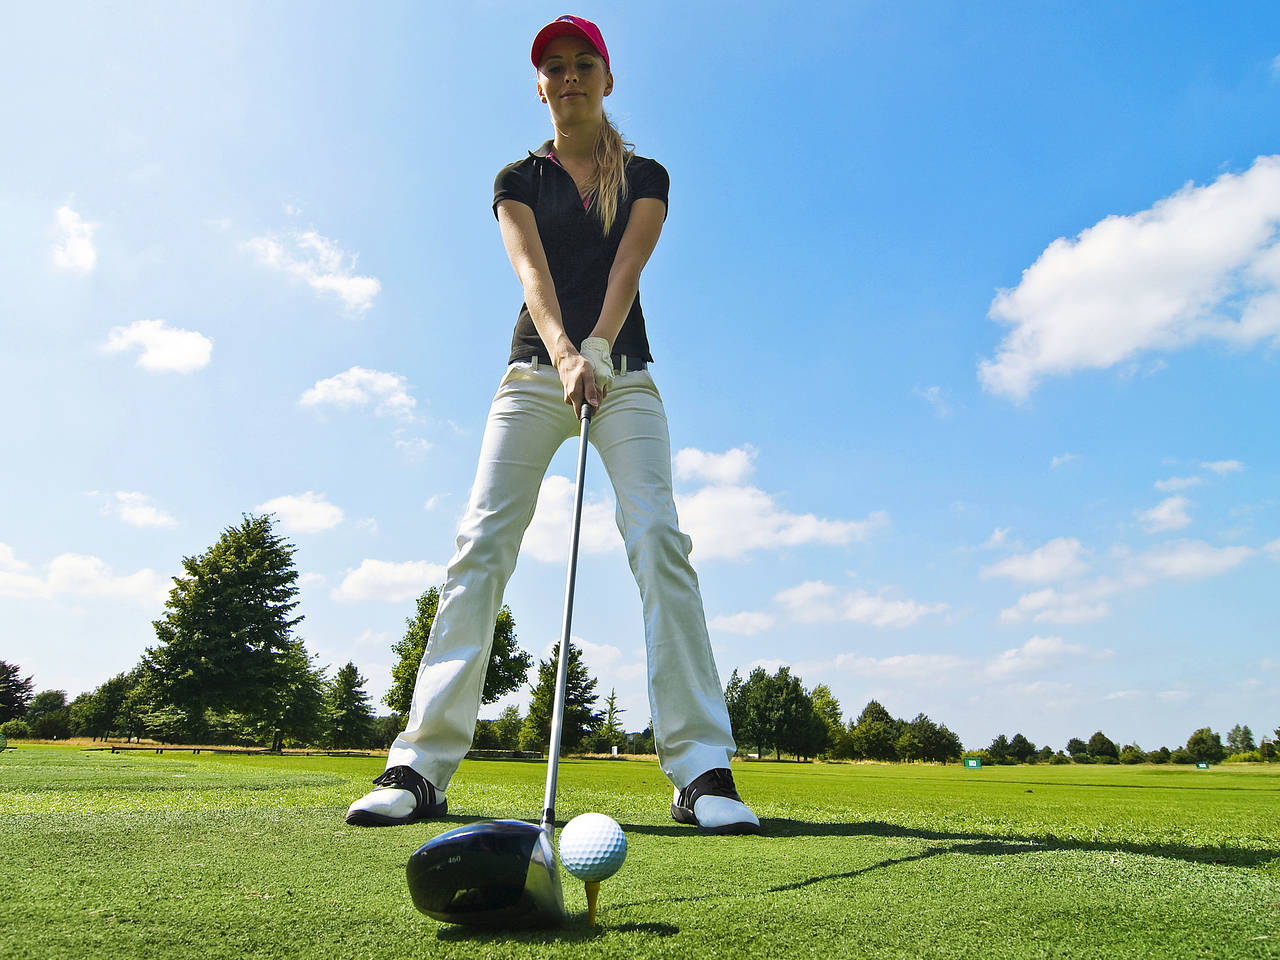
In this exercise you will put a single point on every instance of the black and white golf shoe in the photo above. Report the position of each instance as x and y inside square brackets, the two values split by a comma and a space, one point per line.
[711, 803]
[403, 796]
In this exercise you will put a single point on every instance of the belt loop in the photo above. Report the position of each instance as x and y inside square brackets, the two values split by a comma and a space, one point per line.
[534, 368]
[624, 363]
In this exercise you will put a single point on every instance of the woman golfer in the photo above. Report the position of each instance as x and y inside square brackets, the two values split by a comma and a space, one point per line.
[579, 218]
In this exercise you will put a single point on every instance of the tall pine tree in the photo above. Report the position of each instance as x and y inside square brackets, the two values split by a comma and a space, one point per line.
[579, 699]
[350, 715]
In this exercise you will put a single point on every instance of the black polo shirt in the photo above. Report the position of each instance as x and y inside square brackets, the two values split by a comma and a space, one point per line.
[578, 253]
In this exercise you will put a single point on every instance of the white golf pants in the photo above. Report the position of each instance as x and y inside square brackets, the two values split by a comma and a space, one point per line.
[528, 422]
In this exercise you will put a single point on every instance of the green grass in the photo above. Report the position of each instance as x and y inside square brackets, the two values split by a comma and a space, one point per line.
[138, 855]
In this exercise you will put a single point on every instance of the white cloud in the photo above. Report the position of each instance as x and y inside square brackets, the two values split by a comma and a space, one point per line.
[1168, 514]
[136, 510]
[1223, 467]
[415, 448]
[732, 521]
[164, 348]
[1062, 459]
[1052, 606]
[732, 466]
[1036, 654]
[373, 638]
[307, 512]
[389, 582]
[1193, 559]
[9, 560]
[1058, 559]
[547, 538]
[1272, 549]
[1201, 264]
[79, 575]
[746, 624]
[1275, 69]
[818, 602]
[320, 263]
[935, 398]
[1124, 695]
[999, 536]
[1174, 696]
[73, 248]
[358, 387]
[1173, 484]
[921, 667]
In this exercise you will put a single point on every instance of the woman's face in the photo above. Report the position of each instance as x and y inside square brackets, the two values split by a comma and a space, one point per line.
[573, 79]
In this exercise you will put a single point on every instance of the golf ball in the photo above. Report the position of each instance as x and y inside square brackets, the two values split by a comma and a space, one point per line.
[592, 846]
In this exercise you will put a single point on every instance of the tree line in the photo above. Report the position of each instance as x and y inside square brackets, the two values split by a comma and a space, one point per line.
[228, 668]
[1203, 746]
[775, 712]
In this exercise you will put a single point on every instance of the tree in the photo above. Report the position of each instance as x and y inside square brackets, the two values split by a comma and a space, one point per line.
[385, 730]
[827, 708]
[1205, 746]
[873, 740]
[297, 714]
[349, 710]
[999, 749]
[792, 708]
[1100, 745]
[99, 713]
[752, 704]
[508, 664]
[1132, 753]
[1240, 740]
[226, 639]
[611, 728]
[1020, 748]
[507, 728]
[874, 711]
[1077, 748]
[15, 692]
[909, 746]
[48, 716]
[579, 699]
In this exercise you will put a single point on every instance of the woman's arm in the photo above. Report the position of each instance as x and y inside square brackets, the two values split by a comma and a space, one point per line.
[643, 229]
[524, 249]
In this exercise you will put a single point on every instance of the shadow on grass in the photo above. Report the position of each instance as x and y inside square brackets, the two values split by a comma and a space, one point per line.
[989, 844]
[575, 930]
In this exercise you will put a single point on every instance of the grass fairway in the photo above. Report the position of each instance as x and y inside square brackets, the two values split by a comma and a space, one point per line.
[138, 855]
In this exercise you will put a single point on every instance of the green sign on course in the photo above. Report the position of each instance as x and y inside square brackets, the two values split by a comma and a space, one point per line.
[973, 763]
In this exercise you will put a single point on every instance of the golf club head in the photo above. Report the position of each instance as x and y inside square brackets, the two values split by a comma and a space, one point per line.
[499, 873]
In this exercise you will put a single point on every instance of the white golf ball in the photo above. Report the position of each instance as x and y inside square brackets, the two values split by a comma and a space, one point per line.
[592, 846]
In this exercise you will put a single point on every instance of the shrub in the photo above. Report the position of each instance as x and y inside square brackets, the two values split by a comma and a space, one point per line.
[1059, 758]
[1159, 756]
[1132, 754]
[1180, 755]
[16, 729]
[1252, 756]
[1106, 758]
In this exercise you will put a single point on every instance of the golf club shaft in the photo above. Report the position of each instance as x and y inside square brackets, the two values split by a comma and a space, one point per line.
[562, 667]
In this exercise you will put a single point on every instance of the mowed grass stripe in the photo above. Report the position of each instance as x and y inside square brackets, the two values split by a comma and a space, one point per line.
[860, 861]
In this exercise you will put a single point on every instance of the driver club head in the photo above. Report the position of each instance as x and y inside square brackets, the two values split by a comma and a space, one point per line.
[498, 873]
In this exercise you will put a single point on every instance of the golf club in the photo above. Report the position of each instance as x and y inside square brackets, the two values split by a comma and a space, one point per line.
[502, 873]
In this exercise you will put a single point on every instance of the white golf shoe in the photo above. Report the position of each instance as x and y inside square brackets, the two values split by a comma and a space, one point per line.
[711, 803]
[402, 796]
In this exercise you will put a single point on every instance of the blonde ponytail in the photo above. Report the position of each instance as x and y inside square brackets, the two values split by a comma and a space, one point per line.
[609, 183]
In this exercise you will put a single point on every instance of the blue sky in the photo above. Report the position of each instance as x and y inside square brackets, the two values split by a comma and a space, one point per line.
[965, 318]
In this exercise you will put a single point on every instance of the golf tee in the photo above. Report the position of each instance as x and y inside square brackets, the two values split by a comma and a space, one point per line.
[593, 894]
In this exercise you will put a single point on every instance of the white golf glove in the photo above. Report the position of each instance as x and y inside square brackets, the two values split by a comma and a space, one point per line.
[596, 351]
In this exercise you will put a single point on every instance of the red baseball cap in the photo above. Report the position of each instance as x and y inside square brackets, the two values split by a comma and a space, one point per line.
[568, 26]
